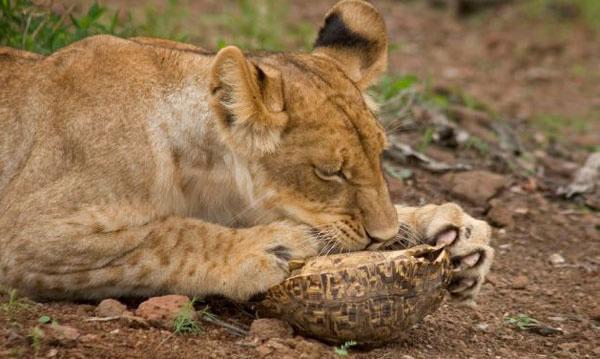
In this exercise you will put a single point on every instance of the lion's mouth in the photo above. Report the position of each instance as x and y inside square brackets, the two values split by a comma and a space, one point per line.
[405, 238]
[340, 238]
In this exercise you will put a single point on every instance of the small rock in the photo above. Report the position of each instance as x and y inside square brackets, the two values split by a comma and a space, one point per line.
[505, 247]
[162, 311]
[482, 326]
[270, 328]
[475, 186]
[521, 211]
[110, 308]
[556, 259]
[519, 282]
[52, 353]
[500, 216]
[62, 335]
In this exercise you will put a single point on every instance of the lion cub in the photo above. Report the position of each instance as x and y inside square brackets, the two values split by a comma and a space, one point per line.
[144, 166]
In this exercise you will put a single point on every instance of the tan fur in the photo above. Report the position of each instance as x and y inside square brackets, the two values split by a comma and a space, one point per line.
[145, 166]
[472, 240]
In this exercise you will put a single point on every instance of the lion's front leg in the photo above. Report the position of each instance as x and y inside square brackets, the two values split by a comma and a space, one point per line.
[466, 239]
[171, 255]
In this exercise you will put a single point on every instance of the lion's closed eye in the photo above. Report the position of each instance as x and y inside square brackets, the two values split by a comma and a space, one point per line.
[331, 175]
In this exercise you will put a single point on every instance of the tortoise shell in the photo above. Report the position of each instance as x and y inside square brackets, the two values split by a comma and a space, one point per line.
[369, 297]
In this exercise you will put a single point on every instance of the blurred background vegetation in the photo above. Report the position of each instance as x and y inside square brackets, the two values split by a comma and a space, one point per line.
[44, 26]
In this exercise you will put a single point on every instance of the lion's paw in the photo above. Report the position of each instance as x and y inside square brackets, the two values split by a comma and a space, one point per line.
[261, 260]
[466, 240]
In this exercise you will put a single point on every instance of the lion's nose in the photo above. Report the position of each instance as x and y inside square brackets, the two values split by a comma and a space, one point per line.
[382, 235]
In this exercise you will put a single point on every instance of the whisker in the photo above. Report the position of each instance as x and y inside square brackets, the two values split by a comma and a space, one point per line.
[324, 249]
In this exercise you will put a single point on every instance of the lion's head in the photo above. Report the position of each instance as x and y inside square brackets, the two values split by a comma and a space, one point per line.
[303, 123]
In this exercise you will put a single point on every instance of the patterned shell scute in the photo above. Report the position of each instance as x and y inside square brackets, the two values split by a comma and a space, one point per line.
[369, 297]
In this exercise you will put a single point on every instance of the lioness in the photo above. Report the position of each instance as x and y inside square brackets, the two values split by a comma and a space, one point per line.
[145, 166]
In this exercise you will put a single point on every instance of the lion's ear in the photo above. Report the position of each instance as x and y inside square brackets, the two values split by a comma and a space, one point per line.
[354, 35]
[248, 101]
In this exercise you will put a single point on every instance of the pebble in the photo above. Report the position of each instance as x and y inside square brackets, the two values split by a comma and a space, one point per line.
[475, 186]
[556, 259]
[519, 282]
[55, 334]
[505, 247]
[500, 216]
[482, 326]
[110, 308]
[161, 311]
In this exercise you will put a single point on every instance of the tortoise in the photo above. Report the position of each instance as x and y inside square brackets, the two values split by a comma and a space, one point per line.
[370, 297]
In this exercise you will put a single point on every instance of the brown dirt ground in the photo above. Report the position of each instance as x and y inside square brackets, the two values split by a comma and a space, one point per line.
[490, 57]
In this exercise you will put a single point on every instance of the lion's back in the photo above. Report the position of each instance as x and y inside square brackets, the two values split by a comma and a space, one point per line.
[91, 96]
[36, 89]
